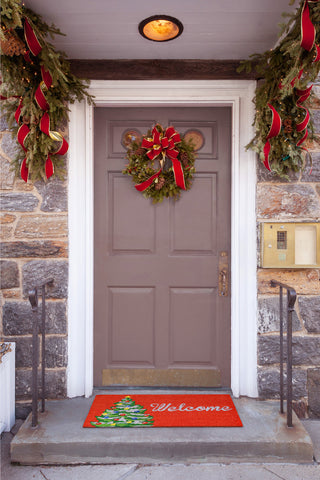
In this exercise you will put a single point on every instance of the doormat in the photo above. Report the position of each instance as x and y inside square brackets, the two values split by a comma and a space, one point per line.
[159, 410]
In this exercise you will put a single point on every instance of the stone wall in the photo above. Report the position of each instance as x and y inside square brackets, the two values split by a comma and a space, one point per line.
[295, 201]
[34, 243]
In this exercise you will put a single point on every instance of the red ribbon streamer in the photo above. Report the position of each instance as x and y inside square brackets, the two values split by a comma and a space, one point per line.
[23, 132]
[273, 132]
[31, 38]
[141, 187]
[164, 145]
[24, 172]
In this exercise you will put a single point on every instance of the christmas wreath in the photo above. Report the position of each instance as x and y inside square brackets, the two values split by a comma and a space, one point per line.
[37, 86]
[162, 164]
[282, 117]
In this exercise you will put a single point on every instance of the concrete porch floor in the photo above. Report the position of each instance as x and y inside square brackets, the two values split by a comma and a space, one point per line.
[60, 438]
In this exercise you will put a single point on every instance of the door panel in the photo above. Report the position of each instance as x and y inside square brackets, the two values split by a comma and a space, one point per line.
[158, 314]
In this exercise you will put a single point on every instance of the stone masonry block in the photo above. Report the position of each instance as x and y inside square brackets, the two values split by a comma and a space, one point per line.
[6, 174]
[42, 226]
[305, 350]
[314, 176]
[56, 352]
[54, 194]
[23, 351]
[313, 385]
[264, 175]
[305, 282]
[56, 385]
[269, 383]
[287, 202]
[18, 202]
[310, 313]
[9, 277]
[18, 318]
[42, 248]
[36, 271]
[3, 123]
[269, 315]
[10, 146]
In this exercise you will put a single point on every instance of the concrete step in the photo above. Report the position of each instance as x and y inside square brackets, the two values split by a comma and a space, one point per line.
[60, 439]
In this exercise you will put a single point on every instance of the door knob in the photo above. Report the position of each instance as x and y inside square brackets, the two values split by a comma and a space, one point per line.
[223, 274]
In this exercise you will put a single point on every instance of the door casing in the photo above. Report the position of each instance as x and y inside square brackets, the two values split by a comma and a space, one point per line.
[238, 95]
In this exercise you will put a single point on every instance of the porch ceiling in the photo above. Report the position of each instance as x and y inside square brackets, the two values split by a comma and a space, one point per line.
[213, 29]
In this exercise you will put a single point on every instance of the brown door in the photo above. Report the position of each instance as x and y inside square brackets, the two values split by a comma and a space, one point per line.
[160, 318]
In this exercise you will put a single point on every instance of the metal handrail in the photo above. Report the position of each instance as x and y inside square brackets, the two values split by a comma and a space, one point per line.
[291, 300]
[33, 298]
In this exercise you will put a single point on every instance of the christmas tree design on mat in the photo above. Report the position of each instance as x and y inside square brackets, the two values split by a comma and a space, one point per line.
[124, 413]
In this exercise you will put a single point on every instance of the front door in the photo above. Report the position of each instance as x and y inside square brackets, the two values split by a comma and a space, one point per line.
[162, 276]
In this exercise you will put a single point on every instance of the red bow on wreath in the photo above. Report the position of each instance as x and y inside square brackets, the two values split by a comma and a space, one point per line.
[165, 144]
[162, 143]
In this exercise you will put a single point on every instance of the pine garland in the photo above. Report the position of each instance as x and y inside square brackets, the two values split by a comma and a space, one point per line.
[285, 70]
[21, 79]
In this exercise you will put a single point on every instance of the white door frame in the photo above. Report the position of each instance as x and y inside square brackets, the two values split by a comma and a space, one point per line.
[237, 94]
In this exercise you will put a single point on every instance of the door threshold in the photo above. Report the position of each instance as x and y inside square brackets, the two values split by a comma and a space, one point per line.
[117, 388]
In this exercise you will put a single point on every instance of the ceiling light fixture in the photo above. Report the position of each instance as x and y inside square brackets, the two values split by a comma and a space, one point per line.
[160, 28]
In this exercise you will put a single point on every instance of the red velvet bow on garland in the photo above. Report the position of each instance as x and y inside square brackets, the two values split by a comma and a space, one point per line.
[164, 144]
[35, 48]
[308, 35]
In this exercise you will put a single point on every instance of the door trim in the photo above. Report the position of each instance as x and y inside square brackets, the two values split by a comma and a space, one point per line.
[238, 95]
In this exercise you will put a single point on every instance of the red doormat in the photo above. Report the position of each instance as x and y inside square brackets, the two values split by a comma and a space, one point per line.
[162, 411]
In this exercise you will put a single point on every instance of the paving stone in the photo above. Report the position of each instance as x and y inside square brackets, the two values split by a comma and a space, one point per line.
[37, 271]
[42, 248]
[305, 350]
[6, 174]
[313, 385]
[18, 202]
[54, 194]
[269, 316]
[269, 382]
[18, 318]
[310, 313]
[42, 226]
[9, 277]
[287, 202]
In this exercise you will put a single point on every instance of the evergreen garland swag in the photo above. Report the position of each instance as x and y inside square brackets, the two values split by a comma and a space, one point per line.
[282, 95]
[36, 87]
[153, 170]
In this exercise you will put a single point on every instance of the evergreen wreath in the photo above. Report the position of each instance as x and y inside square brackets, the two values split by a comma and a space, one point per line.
[163, 148]
[37, 86]
[286, 71]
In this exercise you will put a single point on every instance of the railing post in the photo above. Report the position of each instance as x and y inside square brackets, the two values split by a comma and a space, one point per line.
[281, 350]
[33, 298]
[291, 299]
[43, 347]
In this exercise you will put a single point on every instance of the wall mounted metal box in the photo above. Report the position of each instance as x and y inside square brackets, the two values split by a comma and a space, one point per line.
[290, 245]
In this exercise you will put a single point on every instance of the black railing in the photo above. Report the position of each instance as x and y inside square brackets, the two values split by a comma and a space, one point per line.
[291, 300]
[33, 298]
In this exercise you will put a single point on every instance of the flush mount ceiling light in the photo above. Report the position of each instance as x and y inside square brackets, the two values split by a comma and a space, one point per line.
[160, 28]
